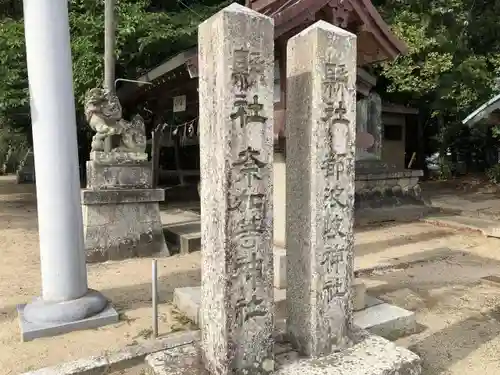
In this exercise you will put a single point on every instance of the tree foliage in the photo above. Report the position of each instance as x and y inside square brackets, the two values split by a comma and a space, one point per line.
[451, 67]
[454, 50]
[453, 60]
[148, 32]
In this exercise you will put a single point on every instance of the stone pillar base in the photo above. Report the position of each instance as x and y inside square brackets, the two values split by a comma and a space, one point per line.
[44, 319]
[122, 223]
[369, 355]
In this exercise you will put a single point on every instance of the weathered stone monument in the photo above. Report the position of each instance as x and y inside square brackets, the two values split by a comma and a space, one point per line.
[121, 212]
[236, 147]
[235, 302]
[321, 134]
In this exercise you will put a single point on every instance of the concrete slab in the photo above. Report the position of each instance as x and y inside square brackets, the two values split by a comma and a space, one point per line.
[31, 331]
[388, 321]
[378, 317]
[480, 203]
[370, 355]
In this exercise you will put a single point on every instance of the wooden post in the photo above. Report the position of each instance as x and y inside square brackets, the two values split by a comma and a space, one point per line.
[156, 138]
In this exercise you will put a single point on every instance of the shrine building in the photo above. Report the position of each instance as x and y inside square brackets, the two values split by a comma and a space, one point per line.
[387, 132]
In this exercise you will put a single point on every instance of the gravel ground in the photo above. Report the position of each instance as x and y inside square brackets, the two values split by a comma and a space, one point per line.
[459, 314]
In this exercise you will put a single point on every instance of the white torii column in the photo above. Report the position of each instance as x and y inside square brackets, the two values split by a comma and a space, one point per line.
[66, 303]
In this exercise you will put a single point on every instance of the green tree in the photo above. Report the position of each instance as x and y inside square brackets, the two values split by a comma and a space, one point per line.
[453, 61]
[148, 32]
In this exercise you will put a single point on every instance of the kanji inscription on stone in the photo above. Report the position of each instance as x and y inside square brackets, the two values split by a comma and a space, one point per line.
[320, 153]
[236, 158]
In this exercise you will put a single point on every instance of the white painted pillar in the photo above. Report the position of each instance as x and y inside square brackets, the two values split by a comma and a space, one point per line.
[64, 274]
[66, 303]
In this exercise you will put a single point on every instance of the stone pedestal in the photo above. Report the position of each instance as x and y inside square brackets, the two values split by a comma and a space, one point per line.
[121, 213]
[386, 193]
[383, 192]
[26, 171]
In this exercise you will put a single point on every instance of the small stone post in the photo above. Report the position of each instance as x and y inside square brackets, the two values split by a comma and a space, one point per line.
[375, 123]
[236, 54]
[321, 128]
[362, 125]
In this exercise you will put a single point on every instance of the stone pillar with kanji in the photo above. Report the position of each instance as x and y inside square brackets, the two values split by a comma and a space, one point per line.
[236, 54]
[321, 131]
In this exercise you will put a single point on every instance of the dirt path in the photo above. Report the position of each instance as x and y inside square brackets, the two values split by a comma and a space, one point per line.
[459, 314]
[126, 283]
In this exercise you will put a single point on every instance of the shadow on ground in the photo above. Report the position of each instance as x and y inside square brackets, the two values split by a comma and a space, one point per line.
[17, 205]
[131, 297]
[441, 291]
[383, 245]
[454, 343]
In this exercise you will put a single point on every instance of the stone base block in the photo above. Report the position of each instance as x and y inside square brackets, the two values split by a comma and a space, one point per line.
[187, 236]
[25, 176]
[358, 295]
[377, 317]
[120, 224]
[118, 157]
[26, 172]
[370, 355]
[384, 193]
[31, 331]
[386, 320]
[125, 176]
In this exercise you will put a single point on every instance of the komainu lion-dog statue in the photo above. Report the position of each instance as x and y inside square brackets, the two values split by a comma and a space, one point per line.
[103, 113]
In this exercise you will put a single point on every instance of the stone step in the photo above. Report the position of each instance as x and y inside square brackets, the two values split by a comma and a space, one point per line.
[185, 236]
[486, 211]
[405, 213]
[488, 228]
[378, 317]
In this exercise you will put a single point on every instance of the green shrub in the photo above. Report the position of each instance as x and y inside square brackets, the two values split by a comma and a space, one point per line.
[13, 149]
[493, 174]
[445, 169]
